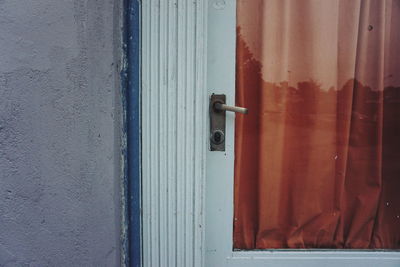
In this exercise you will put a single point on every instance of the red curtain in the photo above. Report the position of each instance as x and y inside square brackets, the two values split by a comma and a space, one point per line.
[317, 157]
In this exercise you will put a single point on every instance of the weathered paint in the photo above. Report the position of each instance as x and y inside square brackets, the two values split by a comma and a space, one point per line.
[124, 138]
[130, 71]
[59, 133]
[134, 164]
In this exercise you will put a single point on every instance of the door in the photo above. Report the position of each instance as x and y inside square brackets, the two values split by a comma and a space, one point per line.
[221, 250]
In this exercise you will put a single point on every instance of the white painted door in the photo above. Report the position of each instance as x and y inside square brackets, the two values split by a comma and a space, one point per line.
[220, 172]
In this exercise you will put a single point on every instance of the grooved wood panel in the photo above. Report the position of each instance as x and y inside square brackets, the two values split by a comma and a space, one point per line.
[174, 131]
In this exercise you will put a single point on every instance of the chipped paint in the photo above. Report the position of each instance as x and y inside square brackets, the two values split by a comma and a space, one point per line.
[130, 145]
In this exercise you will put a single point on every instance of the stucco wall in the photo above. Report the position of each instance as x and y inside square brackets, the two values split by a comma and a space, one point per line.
[59, 133]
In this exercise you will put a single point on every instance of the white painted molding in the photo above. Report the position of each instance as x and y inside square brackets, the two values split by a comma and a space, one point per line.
[174, 131]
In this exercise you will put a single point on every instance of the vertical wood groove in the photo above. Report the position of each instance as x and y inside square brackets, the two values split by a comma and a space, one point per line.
[174, 133]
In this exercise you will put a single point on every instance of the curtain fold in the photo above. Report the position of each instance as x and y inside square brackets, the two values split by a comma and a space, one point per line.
[316, 158]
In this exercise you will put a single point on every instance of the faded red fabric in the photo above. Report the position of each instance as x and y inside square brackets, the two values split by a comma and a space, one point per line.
[317, 157]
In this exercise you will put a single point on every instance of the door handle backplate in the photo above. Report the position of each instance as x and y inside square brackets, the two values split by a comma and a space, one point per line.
[217, 123]
[217, 111]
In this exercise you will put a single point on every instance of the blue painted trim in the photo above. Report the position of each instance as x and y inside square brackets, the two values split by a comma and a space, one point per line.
[124, 150]
[132, 40]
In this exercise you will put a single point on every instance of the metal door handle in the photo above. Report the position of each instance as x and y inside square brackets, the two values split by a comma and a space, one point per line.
[218, 110]
[220, 107]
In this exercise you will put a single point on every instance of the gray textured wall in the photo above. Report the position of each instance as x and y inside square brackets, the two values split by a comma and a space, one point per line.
[59, 133]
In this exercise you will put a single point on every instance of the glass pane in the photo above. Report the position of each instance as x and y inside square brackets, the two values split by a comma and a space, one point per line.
[317, 157]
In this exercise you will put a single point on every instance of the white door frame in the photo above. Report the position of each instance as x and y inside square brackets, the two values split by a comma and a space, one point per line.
[186, 221]
[174, 131]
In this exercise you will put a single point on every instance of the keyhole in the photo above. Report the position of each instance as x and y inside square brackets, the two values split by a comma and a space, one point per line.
[217, 137]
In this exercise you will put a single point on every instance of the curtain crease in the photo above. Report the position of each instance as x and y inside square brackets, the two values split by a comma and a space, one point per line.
[316, 157]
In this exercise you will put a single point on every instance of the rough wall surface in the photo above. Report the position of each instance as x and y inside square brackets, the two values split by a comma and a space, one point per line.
[59, 125]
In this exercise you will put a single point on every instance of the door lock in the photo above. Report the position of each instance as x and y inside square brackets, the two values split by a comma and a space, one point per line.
[217, 137]
[218, 110]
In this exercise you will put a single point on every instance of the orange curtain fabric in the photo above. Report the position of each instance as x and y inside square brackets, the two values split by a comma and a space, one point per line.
[317, 161]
